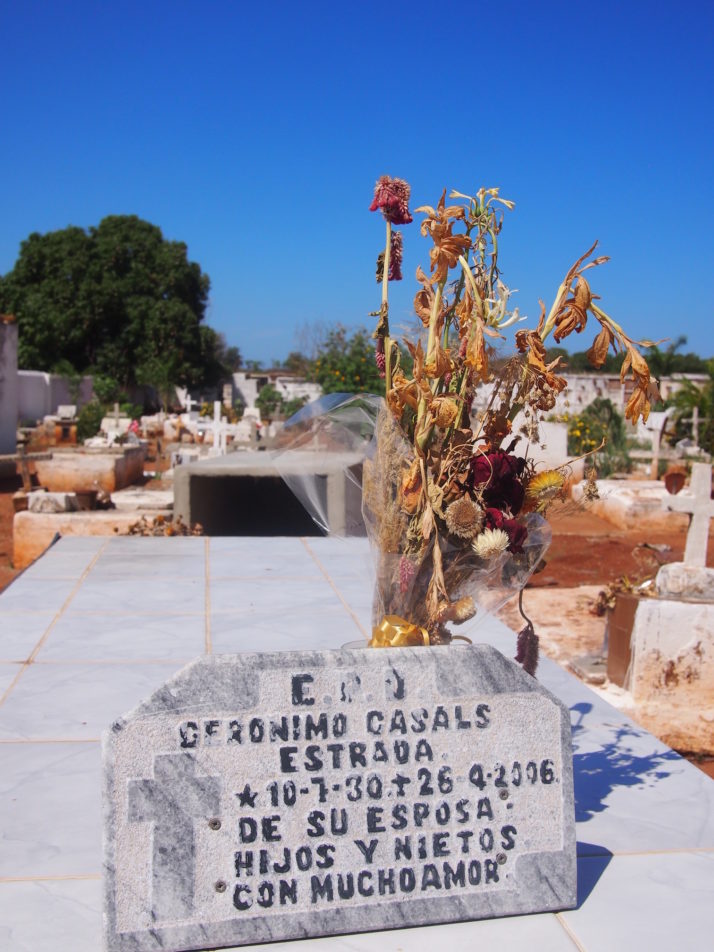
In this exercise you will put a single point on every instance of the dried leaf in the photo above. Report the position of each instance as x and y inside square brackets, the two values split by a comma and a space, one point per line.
[600, 347]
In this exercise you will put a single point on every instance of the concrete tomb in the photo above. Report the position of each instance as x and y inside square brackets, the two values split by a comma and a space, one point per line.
[262, 797]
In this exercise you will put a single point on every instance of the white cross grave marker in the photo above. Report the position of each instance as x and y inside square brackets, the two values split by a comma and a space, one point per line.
[699, 504]
[189, 403]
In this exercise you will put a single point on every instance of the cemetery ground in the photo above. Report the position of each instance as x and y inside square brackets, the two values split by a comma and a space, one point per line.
[587, 553]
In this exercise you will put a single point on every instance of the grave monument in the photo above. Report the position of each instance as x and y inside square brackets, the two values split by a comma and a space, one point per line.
[262, 797]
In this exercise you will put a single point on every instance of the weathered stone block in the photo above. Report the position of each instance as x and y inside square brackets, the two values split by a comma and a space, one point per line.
[262, 797]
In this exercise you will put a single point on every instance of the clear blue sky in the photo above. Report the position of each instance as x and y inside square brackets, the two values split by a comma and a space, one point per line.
[254, 132]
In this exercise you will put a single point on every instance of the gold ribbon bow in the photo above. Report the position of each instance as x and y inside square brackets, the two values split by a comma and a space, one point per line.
[396, 632]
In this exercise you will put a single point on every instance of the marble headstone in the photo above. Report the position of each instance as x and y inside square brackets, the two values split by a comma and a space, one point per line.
[261, 797]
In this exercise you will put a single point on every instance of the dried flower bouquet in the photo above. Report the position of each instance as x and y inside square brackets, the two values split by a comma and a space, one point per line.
[452, 499]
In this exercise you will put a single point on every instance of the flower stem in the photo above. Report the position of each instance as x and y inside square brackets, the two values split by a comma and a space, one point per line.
[385, 313]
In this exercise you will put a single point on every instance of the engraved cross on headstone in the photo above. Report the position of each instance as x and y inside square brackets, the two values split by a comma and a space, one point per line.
[701, 509]
[172, 801]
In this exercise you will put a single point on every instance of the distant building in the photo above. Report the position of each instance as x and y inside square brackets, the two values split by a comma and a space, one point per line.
[247, 384]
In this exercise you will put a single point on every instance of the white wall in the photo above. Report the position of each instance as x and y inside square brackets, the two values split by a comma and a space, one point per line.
[39, 394]
[8, 387]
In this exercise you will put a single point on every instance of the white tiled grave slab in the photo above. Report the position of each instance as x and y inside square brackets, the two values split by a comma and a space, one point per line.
[645, 817]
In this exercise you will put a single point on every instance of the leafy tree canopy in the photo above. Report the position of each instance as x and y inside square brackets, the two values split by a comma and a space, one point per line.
[118, 299]
[346, 364]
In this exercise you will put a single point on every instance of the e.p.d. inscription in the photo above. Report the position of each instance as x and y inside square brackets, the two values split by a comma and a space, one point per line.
[272, 796]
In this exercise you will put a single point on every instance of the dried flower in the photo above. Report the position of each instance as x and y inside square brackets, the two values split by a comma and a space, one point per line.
[391, 195]
[379, 357]
[516, 531]
[544, 487]
[497, 476]
[396, 245]
[527, 649]
[464, 518]
[490, 543]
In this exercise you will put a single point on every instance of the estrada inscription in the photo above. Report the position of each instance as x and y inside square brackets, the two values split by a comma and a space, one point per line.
[264, 797]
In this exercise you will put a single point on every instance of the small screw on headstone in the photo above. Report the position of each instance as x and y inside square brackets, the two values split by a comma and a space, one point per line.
[503, 794]
[501, 858]
[220, 886]
[214, 824]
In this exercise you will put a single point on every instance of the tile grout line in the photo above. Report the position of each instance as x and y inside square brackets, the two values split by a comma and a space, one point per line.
[569, 932]
[208, 644]
[335, 589]
[35, 651]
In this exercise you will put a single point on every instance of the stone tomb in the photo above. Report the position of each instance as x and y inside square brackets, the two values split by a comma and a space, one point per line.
[261, 797]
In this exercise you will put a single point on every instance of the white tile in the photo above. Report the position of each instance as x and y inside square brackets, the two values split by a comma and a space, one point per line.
[51, 916]
[116, 564]
[516, 934]
[59, 563]
[27, 594]
[51, 810]
[112, 637]
[231, 633]
[278, 598]
[656, 902]
[20, 632]
[77, 701]
[8, 672]
[140, 595]
[261, 558]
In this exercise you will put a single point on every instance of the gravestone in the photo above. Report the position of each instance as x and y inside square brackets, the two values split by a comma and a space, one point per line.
[669, 663]
[263, 797]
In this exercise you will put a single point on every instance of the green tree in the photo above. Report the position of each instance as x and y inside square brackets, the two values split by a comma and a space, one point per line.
[292, 406]
[346, 364]
[268, 401]
[117, 299]
[600, 421]
[686, 399]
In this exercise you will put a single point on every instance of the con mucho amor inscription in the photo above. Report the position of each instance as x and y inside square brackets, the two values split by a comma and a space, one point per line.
[369, 788]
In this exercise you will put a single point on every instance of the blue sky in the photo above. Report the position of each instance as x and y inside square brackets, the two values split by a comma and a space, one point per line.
[255, 132]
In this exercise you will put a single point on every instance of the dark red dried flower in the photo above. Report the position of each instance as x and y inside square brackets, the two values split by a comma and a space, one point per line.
[379, 357]
[396, 246]
[391, 195]
[527, 649]
[497, 475]
[407, 571]
[517, 533]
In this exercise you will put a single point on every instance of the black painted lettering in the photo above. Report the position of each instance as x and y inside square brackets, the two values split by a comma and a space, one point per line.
[509, 834]
[301, 691]
[211, 730]
[484, 809]
[421, 812]
[490, 868]
[401, 751]
[402, 847]
[374, 820]
[398, 724]
[380, 755]
[269, 828]
[321, 888]
[339, 725]
[247, 829]
[430, 878]
[237, 901]
[280, 729]
[256, 730]
[363, 877]
[407, 879]
[288, 890]
[315, 824]
[385, 881]
[456, 877]
[286, 759]
[266, 891]
[336, 751]
[482, 715]
[367, 851]
[357, 758]
[188, 733]
[419, 720]
[303, 858]
[244, 862]
[345, 885]
[374, 722]
[423, 751]
[316, 728]
[313, 760]
[399, 815]
[462, 814]
[285, 868]
[440, 845]
[485, 839]
[461, 724]
[441, 719]
[325, 851]
[234, 732]
[474, 872]
[338, 822]
[465, 836]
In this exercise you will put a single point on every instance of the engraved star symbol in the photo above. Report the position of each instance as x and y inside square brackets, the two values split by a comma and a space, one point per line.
[246, 798]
